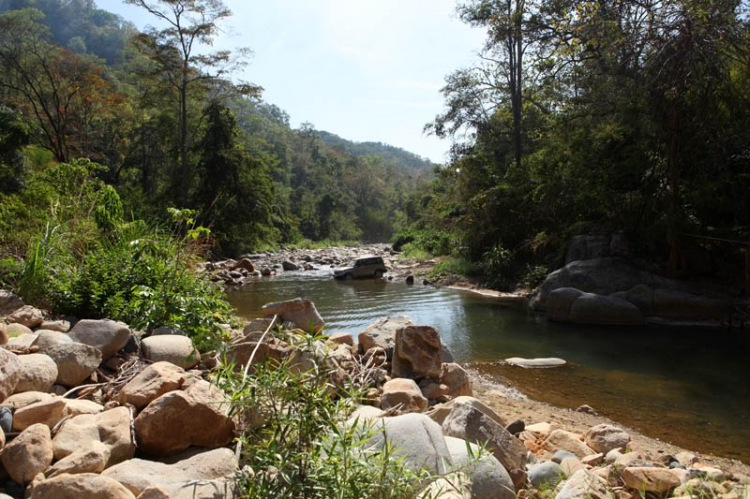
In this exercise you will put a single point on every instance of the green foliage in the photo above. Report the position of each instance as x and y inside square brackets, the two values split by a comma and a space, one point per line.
[456, 266]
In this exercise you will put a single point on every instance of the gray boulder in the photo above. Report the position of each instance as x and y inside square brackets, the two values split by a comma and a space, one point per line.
[488, 477]
[106, 335]
[548, 473]
[75, 362]
[573, 305]
[178, 350]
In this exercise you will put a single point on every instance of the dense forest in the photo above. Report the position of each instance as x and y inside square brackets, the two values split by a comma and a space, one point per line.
[170, 128]
[584, 117]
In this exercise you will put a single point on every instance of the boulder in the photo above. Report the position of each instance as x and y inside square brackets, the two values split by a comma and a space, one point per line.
[213, 470]
[80, 486]
[657, 480]
[565, 440]
[603, 438]
[585, 484]
[256, 325]
[546, 474]
[403, 394]
[559, 302]
[18, 400]
[487, 476]
[47, 337]
[9, 302]
[178, 350]
[61, 326]
[289, 266]
[76, 407]
[382, 333]
[38, 373]
[179, 419]
[440, 412]
[10, 373]
[15, 330]
[108, 336]
[153, 493]
[29, 454]
[342, 338]
[417, 353]
[301, 312]
[48, 412]
[270, 349]
[92, 460]
[417, 438]
[151, 383]
[23, 341]
[570, 465]
[469, 423]
[27, 315]
[6, 421]
[364, 414]
[75, 362]
[112, 428]
[590, 308]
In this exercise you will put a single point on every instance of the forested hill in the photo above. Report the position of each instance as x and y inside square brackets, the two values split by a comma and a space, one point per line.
[389, 153]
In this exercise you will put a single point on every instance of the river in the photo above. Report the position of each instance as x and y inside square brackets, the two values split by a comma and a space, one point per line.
[687, 387]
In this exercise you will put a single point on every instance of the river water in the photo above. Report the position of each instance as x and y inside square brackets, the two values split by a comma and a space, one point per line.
[687, 387]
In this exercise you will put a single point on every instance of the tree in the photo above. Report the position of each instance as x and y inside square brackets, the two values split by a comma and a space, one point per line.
[14, 136]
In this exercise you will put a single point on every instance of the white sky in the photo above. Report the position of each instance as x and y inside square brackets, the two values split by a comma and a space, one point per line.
[365, 70]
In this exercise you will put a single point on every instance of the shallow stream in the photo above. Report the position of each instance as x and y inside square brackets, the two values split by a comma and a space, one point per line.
[687, 387]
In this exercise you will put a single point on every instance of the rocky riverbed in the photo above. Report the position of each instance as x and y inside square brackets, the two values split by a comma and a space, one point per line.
[93, 409]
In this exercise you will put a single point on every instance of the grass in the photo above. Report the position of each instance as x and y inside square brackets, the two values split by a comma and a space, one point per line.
[456, 266]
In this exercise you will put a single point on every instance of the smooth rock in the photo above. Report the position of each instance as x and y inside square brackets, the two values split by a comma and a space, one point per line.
[541, 430]
[29, 454]
[48, 412]
[604, 438]
[301, 312]
[382, 334]
[179, 419]
[364, 415]
[112, 428]
[23, 341]
[81, 486]
[76, 407]
[535, 363]
[27, 315]
[650, 479]
[403, 394]
[456, 379]
[559, 302]
[106, 335]
[60, 326]
[469, 423]
[546, 474]
[92, 460]
[178, 350]
[210, 468]
[417, 352]
[19, 400]
[10, 373]
[585, 484]
[153, 493]
[686, 459]
[47, 337]
[6, 421]
[38, 373]
[590, 308]
[75, 362]
[570, 465]
[16, 330]
[565, 440]
[593, 460]
[151, 383]
[562, 454]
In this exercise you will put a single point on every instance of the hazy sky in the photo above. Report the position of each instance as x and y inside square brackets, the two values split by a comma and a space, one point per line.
[365, 70]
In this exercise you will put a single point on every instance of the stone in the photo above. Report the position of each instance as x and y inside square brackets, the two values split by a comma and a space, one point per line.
[403, 394]
[16, 330]
[586, 409]
[61, 326]
[686, 459]
[469, 423]
[76, 407]
[560, 455]
[9, 302]
[271, 350]
[364, 415]
[27, 315]
[108, 336]
[81, 486]
[585, 484]
[559, 302]
[6, 421]
[23, 341]
[48, 412]
[382, 334]
[434, 390]
[151, 383]
[546, 474]
[535, 363]
[179, 419]
[650, 479]
[256, 325]
[92, 460]
[678, 305]
[570, 465]
[75, 362]
[19, 400]
[10, 373]
[565, 440]
[29, 454]
[456, 379]
[3, 335]
[244, 263]
[516, 427]
[342, 338]
[215, 467]
[153, 493]
[47, 337]
[289, 266]
[591, 308]
[301, 312]
[593, 459]
[417, 438]
[417, 353]
[112, 428]
[612, 456]
[603, 438]
[38, 373]
[541, 430]
[178, 350]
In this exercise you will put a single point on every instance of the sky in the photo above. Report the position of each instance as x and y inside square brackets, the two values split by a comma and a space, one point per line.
[367, 70]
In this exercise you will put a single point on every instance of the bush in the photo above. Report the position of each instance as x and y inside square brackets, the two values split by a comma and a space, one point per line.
[457, 266]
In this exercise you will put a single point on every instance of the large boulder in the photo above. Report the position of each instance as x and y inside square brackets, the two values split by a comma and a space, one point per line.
[403, 394]
[92, 460]
[38, 373]
[573, 305]
[75, 362]
[488, 477]
[180, 419]
[27, 315]
[178, 350]
[382, 333]
[79, 486]
[417, 438]
[45, 338]
[603, 438]
[47, 412]
[10, 373]
[258, 348]
[301, 312]
[112, 428]
[417, 353]
[456, 379]
[29, 454]
[76, 407]
[213, 470]
[61, 326]
[106, 335]
[18, 400]
[469, 423]
[151, 383]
